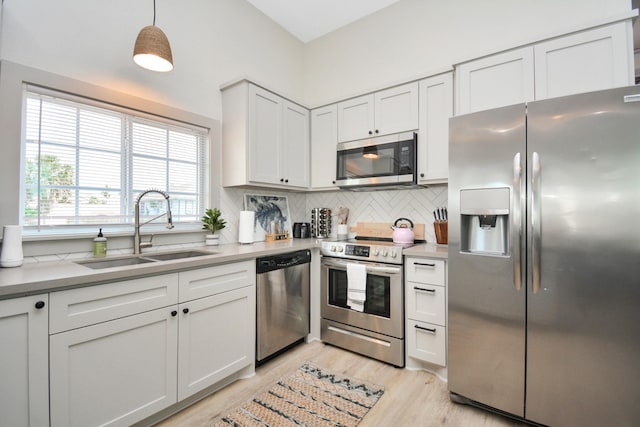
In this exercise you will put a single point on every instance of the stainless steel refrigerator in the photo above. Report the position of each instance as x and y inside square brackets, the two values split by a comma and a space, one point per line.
[544, 259]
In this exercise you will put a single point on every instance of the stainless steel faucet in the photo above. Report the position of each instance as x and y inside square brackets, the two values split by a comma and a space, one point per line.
[137, 238]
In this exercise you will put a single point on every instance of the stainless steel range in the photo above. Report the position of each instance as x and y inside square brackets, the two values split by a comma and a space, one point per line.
[362, 295]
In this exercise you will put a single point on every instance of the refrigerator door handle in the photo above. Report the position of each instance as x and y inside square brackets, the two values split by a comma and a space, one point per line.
[535, 221]
[517, 222]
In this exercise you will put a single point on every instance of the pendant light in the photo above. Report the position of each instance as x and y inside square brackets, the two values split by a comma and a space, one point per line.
[152, 50]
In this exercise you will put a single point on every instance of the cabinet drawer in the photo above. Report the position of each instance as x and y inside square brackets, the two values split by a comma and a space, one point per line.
[425, 271]
[75, 308]
[208, 281]
[427, 342]
[426, 303]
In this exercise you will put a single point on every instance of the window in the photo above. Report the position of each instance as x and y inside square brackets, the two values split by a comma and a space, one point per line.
[84, 163]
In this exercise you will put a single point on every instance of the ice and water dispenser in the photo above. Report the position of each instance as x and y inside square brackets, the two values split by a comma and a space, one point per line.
[484, 221]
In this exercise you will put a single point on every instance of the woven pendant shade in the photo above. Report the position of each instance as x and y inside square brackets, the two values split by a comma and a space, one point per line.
[152, 50]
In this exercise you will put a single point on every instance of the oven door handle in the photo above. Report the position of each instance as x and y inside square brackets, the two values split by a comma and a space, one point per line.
[370, 268]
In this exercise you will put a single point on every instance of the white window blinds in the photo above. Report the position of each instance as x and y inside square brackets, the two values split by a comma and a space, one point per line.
[85, 163]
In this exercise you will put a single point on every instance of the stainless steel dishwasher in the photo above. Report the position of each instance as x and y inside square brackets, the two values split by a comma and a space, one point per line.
[282, 302]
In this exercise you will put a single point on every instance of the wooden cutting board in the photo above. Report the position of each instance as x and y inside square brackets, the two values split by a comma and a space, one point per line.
[382, 230]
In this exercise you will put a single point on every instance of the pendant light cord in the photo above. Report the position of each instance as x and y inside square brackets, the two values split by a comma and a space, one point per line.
[154, 13]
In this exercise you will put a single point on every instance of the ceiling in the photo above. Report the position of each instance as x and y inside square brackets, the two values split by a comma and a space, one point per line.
[310, 19]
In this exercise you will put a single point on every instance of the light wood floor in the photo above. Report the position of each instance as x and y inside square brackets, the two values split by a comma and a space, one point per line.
[411, 398]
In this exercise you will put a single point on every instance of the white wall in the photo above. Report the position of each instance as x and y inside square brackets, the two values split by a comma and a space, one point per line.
[414, 37]
[213, 41]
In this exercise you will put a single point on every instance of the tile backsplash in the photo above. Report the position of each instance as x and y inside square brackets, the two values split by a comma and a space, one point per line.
[370, 206]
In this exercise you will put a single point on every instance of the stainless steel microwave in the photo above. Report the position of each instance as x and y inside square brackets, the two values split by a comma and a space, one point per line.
[385, 162]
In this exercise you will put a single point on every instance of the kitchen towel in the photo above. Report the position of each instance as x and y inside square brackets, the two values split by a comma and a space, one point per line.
[11, 255]
[356, 286]
[246, 226]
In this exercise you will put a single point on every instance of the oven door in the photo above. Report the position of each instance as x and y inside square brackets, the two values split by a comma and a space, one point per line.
[383, 309]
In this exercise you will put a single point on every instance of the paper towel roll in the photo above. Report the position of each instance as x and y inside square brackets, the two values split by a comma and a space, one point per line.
[246, 226]
[11, 255]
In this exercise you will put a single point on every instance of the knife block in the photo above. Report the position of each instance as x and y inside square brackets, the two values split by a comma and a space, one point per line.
[442, 232]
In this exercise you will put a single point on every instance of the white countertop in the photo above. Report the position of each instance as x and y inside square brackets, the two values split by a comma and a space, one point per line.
[50, 276]
[427, 250]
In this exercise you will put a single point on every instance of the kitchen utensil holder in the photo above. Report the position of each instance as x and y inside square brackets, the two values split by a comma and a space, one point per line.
[442, 232]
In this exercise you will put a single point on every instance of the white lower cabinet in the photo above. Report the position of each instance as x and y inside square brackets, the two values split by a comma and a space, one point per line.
[114, 373]
[24, 369]
[116, 358]
[426, 302]
[216, 339]
[427, 342]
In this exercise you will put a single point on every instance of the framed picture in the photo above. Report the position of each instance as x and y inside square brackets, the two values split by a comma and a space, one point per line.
[269, 210]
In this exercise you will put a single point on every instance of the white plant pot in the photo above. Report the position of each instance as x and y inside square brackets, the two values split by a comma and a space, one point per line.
[212, 240]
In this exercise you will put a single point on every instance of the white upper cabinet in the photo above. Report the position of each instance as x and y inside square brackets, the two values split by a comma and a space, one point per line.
[265, 139]
[355, 118]
[265, 135]
[295, 144]
[586, 61]
[382, 113]
[495, 81]
[324, 138]
[436, 106]
[396, 109]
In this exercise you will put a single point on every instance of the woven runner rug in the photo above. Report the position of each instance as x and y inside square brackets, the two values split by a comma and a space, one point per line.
[311, 396]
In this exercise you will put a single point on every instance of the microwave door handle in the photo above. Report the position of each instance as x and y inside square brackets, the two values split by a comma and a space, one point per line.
[370, 268]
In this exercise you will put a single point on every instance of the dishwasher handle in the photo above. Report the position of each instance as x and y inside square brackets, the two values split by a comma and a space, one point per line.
[281, 261]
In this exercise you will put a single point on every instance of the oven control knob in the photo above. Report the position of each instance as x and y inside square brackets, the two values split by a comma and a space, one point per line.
[333, 248]
[376, 252]
[340, 248]
[384, 253]
[393, 253]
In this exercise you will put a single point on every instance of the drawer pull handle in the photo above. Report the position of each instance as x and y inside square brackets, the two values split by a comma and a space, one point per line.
[425, 264]
[432, 291]
[431, 331]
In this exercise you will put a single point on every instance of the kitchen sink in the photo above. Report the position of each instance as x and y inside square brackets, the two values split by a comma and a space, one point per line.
[142, 259]
[168, 256]
[117, 262]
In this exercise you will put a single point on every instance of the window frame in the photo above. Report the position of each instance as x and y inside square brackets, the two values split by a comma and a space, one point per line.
[14, 76]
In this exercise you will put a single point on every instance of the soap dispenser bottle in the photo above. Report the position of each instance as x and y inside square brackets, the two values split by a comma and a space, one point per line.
[100, 245]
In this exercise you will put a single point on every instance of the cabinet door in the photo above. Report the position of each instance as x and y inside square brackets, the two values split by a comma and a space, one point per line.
[436, 106]
[216, 339]
[114, 373]
[24, 368]
[427, 342]
[295, 152]
[355, 118]
[495, 81]
[592, 60]
[265, 136]
[396, 109]
[324, 138]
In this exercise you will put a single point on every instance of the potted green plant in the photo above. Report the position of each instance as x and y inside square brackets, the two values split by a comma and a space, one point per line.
[212, 222]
